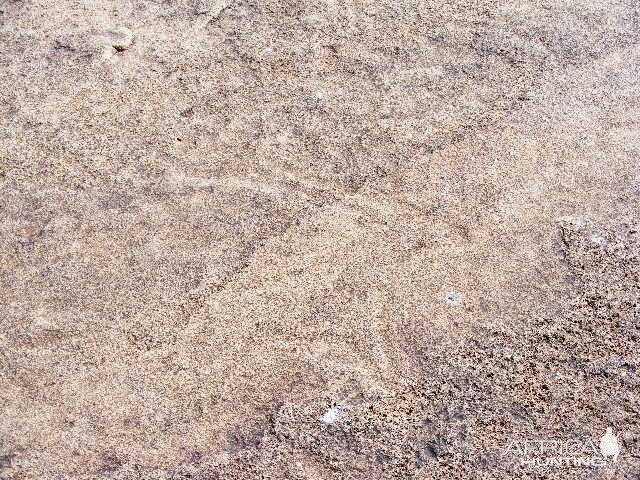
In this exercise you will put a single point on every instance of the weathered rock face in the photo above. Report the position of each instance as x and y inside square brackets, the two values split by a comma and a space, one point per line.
[336, 240]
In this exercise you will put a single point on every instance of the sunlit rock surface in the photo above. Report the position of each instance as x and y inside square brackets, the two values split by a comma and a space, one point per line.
[335, 240]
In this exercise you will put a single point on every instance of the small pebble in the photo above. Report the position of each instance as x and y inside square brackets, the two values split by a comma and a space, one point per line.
[454, 299]
[597, 239]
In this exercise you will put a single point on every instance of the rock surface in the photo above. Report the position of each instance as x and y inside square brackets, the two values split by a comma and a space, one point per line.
[317, 240]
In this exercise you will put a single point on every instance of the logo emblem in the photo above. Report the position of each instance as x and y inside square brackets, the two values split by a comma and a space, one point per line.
[609, 446]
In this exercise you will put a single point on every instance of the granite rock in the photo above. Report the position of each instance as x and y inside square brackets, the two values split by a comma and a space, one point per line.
[317, 240]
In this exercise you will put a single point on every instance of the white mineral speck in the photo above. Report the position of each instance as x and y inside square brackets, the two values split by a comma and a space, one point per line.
[454, 299]
[333, 414]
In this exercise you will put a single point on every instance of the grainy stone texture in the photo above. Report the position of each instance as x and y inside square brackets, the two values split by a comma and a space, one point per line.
[317, 240]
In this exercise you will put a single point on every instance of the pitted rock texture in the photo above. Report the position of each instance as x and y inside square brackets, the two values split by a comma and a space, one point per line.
[302, 240]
